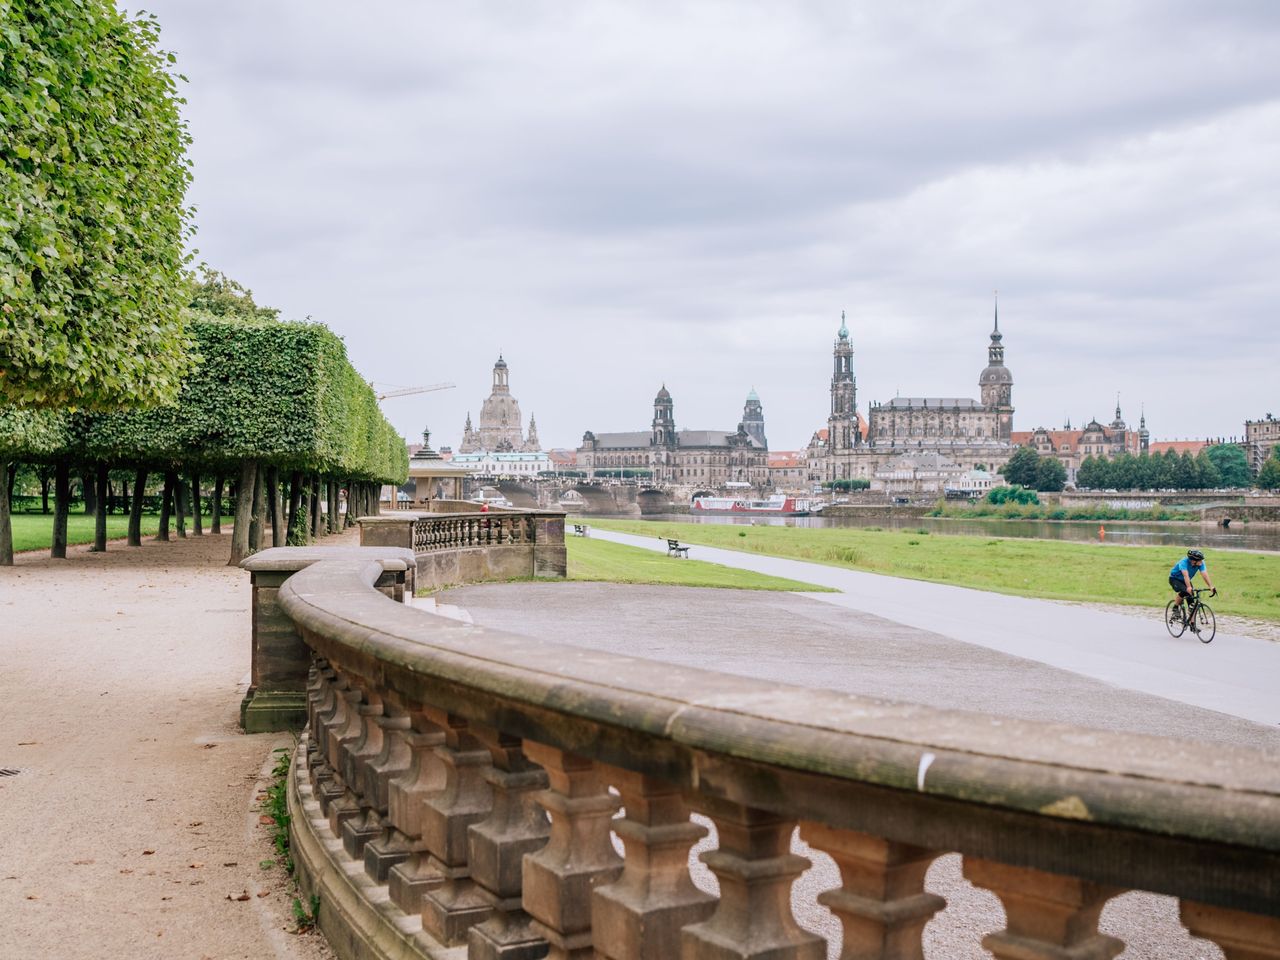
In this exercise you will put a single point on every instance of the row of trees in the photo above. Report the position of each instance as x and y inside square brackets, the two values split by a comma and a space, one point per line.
[1223, 465]
[273, 410]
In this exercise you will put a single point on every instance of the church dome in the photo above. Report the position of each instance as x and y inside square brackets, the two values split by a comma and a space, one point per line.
[501, 364]
[996, 373]
[663, 394]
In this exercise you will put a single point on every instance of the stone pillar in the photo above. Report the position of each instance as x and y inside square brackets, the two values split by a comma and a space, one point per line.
[550, 559]
[1049, 916]
[497, 846]
[559, 878]
[756, 868]
[639, 917]
[456, 904]
[881, 903]
[1242, 936]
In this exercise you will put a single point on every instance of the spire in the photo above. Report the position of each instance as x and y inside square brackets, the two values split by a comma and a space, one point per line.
[995, 332]
[1117, 406]
[844, 327]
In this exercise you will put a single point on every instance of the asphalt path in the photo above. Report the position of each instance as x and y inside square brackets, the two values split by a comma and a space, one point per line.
[1235, 675]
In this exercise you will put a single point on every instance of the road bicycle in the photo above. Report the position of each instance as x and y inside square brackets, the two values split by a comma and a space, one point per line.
[1195, 613]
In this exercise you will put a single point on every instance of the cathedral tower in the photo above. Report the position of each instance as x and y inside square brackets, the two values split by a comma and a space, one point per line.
[842, 424]
[664, 421]
[753, 418]
[996, 383]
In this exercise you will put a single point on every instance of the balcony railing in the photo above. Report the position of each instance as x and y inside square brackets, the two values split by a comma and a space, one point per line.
[458, 790]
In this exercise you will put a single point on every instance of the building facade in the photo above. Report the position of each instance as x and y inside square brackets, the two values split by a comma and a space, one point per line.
[972, 434]
[1071, 446]
[703, 457]
[501, 427]
[1260, 437]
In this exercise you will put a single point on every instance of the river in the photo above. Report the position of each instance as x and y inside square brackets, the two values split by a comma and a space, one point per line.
[1241, 536]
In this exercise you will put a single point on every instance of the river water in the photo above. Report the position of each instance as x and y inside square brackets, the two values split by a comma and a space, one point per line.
[1240, 536]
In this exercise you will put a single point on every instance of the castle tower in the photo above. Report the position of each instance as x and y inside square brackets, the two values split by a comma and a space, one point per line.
[531, 444]
[996, 383]
[664, 421]
[1118, 423]
[842, 423]
[1144, 437]
[753, 418]
[500, 384]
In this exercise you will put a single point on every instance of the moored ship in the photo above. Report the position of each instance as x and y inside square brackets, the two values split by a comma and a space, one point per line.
[778, 505]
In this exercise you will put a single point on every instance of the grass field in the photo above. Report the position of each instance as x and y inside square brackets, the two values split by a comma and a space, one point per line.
[34, 531]
[599, 560]
[1136, 576]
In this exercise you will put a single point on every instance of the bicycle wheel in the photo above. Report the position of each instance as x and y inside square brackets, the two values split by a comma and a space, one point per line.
[1173, 620]
[1206, 625]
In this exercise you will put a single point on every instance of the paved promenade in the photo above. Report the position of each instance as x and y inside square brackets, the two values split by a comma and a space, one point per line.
[131, 829]
[1235, 675]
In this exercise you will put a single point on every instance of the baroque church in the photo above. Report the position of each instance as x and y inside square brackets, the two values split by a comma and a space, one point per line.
[501, 425]
[974, 434]
[702, 457]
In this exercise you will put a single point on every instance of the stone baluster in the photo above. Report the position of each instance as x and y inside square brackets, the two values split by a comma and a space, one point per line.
[367, 747]
[1242, 936]
[321, 695]
[496, 848]
[343, 804]
[456, 904]
[1048, 916]
[410, 878]
[331, 719]
[375, 775]
[559, 878]
[639, 917]
[756, 868]
[881, 903]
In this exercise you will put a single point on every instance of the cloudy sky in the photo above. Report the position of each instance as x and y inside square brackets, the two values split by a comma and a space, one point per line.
[621, 195]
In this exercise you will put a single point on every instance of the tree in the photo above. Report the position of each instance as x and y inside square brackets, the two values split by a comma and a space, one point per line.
[1207, 475]
[1022, 468]
[215, 294]
[1051, 475]
[1232, 464]
[1185, 472]
[1269, 475]
[93, 177]
[1088, 476]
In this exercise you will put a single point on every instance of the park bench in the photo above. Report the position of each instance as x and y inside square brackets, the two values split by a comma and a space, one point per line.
[579, 529]
[675, 550]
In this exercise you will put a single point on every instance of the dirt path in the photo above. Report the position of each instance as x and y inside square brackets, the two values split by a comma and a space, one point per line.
[130, 828]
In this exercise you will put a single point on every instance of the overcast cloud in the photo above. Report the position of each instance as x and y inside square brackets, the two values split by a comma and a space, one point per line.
[621, 195]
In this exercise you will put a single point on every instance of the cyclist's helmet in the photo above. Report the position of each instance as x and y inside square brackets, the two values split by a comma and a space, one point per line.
[1195, 556]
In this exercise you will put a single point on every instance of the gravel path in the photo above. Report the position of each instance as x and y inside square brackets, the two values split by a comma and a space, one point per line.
[131, 829]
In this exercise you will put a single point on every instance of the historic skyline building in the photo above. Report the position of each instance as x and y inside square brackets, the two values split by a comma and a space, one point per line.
[501, 427]
[972, 434]
[703, 457]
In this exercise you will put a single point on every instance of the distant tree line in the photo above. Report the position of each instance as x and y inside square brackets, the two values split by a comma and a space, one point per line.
[1026, 468]
[1222, 465]
[844, 486]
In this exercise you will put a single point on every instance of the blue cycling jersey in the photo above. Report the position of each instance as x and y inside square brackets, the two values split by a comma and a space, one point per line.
[1190, 568]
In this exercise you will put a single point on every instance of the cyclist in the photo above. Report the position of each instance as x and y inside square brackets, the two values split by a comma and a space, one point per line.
[1180, 578]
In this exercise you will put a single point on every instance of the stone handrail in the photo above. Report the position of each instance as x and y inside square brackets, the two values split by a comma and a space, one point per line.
[453, 799]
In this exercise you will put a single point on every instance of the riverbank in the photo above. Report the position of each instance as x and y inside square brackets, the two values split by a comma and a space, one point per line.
[1124, 576]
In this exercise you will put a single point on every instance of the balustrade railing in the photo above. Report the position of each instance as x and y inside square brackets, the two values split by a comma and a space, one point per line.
[458, 791]
[454, 531]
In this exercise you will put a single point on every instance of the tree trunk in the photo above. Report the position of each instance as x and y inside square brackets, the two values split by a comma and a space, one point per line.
[180, 503]
[90, 495]
[6, 524]
[12, 481]
[313, 485]
[244, 510]
[259, 511]
[332, 490]
[135, 508]
[44, 489]
[100, 518]
[126, 505]
[295, 504]
[166, 501]
[215, 522]
[304, 510]
[273, 507]
[61, 504]
[197, 526]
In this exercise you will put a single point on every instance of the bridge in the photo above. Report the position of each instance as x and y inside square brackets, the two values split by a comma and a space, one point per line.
[599, 497]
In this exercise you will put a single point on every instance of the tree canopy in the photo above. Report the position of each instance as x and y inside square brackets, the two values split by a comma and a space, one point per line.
[1269, 474]
[1153, 471]
[1231, 463]
[1026, 468]
[93, 178]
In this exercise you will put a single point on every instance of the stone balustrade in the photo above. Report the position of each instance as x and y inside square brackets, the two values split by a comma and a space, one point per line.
[458, 792]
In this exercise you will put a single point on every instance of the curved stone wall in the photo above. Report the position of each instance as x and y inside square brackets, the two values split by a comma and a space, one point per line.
[457, 789]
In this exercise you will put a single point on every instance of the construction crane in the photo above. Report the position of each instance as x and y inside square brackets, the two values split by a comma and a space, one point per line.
[394, 391]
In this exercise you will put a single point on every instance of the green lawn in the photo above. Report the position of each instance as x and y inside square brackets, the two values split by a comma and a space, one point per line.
[1137, 576]
[599, 560]
[34, 531]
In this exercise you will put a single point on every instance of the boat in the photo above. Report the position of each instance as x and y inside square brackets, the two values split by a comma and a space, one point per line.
[779, 505]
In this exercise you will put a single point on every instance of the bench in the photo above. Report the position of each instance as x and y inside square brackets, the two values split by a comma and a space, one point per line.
[675, 550]
[579, 529]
